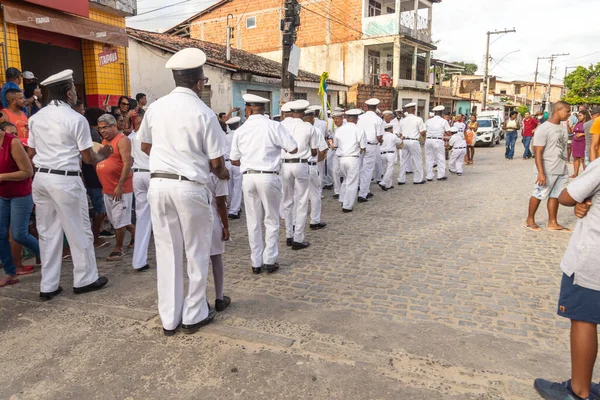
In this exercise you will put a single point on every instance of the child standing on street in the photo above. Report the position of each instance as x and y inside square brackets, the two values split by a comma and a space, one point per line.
[459, 149]
[579, 298]
[220, 190]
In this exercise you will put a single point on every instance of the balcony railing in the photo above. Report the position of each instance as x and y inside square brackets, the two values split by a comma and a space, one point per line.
[405, 83]
[394, 24]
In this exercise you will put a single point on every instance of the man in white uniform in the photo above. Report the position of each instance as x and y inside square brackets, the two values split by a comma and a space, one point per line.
[296, 176]
[315, 186]
[235, 176]
[141, 184]
[337, 122]
[372, 124]
[350, 141]
[459, 149]
[59, 138]
[397, 124]
[179, 197]
[389, 153]
[321, 127]
[256, 148]
[412, 128]
[435, 150]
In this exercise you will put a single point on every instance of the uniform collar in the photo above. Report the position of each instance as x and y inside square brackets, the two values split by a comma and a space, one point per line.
[255, 116]
[180, 89]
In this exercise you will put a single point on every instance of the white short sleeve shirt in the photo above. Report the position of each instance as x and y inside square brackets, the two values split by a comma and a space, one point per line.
[305, 136]
[437, 127]
[349, 139]
[390, 141]
[140, 159]
[372, 125]
[412, 126]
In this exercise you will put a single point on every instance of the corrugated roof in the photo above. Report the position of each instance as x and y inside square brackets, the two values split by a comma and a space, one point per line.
[241, 60]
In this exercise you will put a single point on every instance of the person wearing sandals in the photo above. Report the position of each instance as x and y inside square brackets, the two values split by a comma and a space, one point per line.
[220, 234]
[16, 203]
[117, 182]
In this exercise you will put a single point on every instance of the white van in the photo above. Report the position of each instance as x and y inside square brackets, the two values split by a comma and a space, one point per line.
[488, 133]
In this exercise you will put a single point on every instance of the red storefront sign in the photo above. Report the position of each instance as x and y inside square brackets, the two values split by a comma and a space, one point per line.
[77, 7]
[107, 57]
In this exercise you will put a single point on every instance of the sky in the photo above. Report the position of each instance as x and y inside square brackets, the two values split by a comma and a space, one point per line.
[543, 28]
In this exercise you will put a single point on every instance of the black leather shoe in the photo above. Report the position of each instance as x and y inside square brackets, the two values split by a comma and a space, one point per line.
[401, 183]
[221, 305]
[171, 332]
[383, 188]
[256, 271]
[345, 210]
[336, 196]
[272, 267]
[443, 179]
[370, 195]
[362, 200]
[419, 183]
[289, 241]
[300, 246]
[429, 180]
[45, 296]
[318, 226]
[328, 187]
[193, 328]
[92, 287]
[144, 268]
[234, 216]
[408, 172]
[391, 187]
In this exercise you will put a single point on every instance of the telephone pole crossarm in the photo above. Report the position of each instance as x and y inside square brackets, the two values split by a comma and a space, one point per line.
[486, 77]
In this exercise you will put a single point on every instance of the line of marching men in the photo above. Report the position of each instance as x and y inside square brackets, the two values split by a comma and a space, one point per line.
[277, 165]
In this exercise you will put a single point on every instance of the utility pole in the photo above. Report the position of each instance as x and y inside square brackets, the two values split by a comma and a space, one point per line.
[486, 77]
[564, 91]
[537, 66]
[289, 24]
[552, 58]
[229, 37]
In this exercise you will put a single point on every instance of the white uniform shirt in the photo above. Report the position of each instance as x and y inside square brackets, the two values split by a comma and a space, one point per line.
[228, 141]
[457, 140]
[390, 141]
[185, 135]
[437, 127]
[332, 128]
[372, 125]
[140, 159]
[218, 188]
[58, 134]
[412, 126]
[461, 126]
[321, 126]
[397, 124]
[321, 144]
[305, 136]
[258, 143]
[349, 139]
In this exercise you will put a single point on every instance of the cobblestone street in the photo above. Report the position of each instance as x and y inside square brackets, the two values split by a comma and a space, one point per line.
[433, 291]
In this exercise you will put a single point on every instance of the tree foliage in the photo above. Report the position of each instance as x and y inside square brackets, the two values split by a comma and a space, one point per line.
[522, 110]
[583, 85]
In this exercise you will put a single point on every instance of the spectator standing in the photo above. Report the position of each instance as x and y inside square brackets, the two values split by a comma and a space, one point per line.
[117, 182]
[142, 100]
[79, 108]
[32, 90]
[470, 139]
[578, 145]
[529, 126]
[16, 203]
[511, 127]
[13, 80]
[589, 138]
[14, 112]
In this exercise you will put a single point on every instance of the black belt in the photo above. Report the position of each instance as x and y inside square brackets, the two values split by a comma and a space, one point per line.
[387, 152]
[58, 172]
[348, 156]
[169, 176]
[409, 139]
[227, 159]
[294, 160]
[438, 138]
[312, 163]
[372, 144]
[140, 170]
[458, 148]
[254, 171]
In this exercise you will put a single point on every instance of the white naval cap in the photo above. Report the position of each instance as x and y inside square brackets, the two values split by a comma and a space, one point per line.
[234, 120]
[338, 109]
[64, 76]
[254, 99]
[337, 114]
[372, 102]
[399, 110]
[189, 58]
[299, 105]
[438, 108]
[314, 108]
[388, 112]
[286, 107]
[388, 126]
[454, 129]
[354, 111]
[409, 105]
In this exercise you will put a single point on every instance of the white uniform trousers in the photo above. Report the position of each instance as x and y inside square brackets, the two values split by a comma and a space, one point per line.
[235, 188]
[262, 199]
[315, 192]
[409, 167]
[349, 169]
[143, 223]
[61, 207]
[378, 167]
[411, 151]
[182, 219]
[388, 161]
[328, 172]
[295, 199]
[435, 154]
[457, 159]
[366, 172]
[336, 173]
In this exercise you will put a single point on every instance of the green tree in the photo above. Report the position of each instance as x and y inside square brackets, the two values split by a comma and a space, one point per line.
[583, 85]
[522, 110]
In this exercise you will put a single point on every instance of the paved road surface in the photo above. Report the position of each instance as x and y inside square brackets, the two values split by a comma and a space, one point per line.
[426, 292]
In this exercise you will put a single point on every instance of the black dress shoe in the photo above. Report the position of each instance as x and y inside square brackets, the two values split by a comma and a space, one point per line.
[234, 216]
[370, 195]
[419, 183]
[221, 305]
[272, 267]
[409, 172]
[429, 180]
[300, 246]
[443, 179]
[336, 196]
[144, 268]
[289, 241]
[345, 210]
[45, 296]
[256, 271]
[171, 332]
[328, 187]
[193, 328]
[362, 200]
[383, 188]
[318, 226]
[390, 188]
[401, 183]
[92, 287]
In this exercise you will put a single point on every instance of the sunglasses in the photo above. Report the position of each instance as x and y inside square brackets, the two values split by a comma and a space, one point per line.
[124, 104]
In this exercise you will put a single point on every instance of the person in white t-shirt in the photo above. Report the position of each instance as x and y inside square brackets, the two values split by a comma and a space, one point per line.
[389, 153]
[235, 176]
[459, 150]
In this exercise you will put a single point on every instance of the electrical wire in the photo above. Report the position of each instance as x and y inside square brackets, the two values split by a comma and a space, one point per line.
[162, 8]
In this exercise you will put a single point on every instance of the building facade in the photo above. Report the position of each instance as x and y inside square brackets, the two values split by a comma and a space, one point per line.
[361, 43]
[89, 37]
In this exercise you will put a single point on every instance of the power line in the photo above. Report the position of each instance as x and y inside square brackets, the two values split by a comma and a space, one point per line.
[162, 8]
